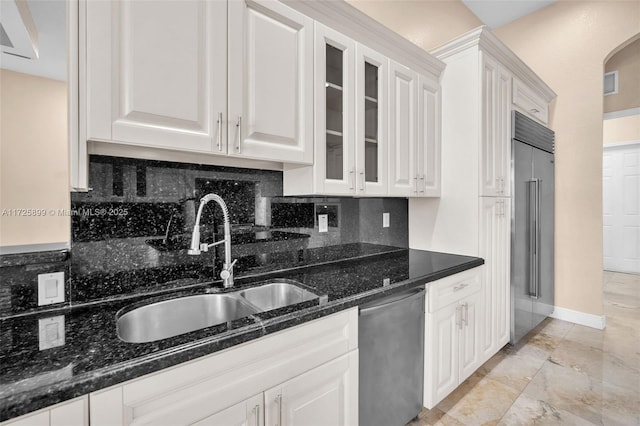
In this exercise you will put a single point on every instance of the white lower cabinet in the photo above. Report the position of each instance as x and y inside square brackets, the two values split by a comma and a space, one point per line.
[495, 236]
[326, 395]
[246, 413]
[452, 333]
[304, 375]
[68, 413]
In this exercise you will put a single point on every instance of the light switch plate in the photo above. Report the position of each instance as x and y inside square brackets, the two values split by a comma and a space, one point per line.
[51, 332]
[323, 223]
[50, 288]
[386, 282]
[385, 220]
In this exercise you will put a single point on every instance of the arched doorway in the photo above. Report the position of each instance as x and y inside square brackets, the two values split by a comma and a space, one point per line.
[621, 159]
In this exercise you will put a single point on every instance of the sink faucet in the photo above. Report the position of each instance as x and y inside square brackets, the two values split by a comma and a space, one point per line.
[196, 248]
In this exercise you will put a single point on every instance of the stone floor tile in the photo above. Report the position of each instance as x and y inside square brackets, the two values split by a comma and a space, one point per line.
[459, 393]
[582, 395]
[515, 371]
[529, 411]
[555, 327]
[598, 364]
[484, 404]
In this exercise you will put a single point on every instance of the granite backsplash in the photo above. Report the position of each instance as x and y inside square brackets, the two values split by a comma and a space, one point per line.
[131, 230]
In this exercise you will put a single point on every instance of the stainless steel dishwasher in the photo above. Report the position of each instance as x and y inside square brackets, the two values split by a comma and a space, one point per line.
[391, 347]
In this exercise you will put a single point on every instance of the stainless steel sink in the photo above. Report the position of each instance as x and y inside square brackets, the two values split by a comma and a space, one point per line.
[276, 295]
[173, 317]
[177, 316]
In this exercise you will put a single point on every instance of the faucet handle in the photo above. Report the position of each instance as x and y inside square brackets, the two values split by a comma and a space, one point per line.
[226, 272]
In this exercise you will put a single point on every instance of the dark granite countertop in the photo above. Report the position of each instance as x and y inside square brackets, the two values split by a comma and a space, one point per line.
[93, 357]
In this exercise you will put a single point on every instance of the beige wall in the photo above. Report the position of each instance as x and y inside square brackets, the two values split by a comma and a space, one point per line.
[627, 63]
[427, 23]
[624, 129]
[566, 44]
[34, 160]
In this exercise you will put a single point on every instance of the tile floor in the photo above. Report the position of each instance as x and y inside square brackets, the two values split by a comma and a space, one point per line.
[561, 374]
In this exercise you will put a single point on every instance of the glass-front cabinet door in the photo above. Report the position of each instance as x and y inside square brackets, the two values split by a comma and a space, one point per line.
[335, 171]
[371, 129]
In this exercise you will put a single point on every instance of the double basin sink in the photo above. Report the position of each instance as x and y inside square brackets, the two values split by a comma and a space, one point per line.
[168, 318]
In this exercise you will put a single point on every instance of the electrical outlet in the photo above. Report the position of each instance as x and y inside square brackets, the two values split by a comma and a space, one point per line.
[386, 282]
[385, 220]
[323, 223]
[51, 332]
[50, 288]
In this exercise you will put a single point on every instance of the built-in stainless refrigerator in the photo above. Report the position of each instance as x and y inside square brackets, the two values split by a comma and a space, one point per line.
[532, 228]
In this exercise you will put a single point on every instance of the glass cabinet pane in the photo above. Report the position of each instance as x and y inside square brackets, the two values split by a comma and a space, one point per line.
[371, 122]
[334, 131]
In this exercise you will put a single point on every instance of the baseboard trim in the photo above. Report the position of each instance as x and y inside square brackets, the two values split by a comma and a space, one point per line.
[577, 317]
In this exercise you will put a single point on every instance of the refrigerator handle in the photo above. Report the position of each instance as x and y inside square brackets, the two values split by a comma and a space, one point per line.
[537, 264]
[534, 216]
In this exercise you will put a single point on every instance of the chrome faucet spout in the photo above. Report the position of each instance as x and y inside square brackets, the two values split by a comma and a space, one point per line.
[196, 248]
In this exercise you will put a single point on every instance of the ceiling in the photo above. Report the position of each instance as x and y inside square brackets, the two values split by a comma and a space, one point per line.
[496, 13]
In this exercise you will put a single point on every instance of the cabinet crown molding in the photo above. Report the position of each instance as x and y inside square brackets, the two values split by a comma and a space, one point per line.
[346, 19]
[486, 41]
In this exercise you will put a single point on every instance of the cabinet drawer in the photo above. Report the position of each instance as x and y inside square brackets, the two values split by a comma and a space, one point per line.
[530, 103]
[454, 288]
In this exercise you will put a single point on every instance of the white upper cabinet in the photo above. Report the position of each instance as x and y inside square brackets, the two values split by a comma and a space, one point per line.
[349, 110]
[335, 159]
[429, 107]
[495, 146]
[270, 82]
[156, 73]
[414, 133]
[371, 122]
[403, 134]
[228, 78]
[526, 101]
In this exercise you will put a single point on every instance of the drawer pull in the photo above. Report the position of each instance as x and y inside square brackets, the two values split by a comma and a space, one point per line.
[460, 287]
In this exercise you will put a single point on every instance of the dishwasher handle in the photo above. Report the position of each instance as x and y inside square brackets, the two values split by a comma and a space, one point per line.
[391, 300]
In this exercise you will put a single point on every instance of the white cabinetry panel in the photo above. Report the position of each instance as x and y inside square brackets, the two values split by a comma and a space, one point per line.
[334, 166]
[495, 235]
[270, 82]
[429, 139]
[495, 149]
[403, 109]
[164, 82]
[453, 333]
[326, 395]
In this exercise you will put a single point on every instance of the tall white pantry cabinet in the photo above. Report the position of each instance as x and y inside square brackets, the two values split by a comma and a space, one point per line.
[484, 82]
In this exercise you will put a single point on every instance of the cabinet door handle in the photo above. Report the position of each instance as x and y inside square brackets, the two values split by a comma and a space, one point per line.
[534, 110]
[415, 179]
[362, 180]
[256, 414]
[352, 178]
[465, 319]
[458, 317]
[279, 402]
[219, 132]
[424, 184]
[239, 126]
